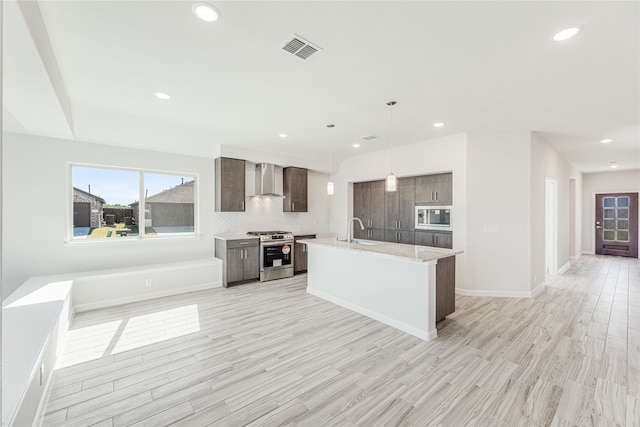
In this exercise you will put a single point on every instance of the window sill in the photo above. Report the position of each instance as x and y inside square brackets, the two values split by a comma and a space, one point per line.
[83, 243]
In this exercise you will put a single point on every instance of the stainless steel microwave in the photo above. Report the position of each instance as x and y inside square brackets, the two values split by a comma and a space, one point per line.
[433, 218]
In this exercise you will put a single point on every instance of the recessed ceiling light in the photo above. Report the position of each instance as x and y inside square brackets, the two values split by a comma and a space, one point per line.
[565, 34]
[283, 135]
[606, 141]
[356, 145]
[614, 165]
[162, 95]
[205, 11]
[438, 124]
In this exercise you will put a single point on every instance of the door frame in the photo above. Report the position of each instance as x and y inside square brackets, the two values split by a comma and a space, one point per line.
[594, 208]
[592, 215]
[551, 227]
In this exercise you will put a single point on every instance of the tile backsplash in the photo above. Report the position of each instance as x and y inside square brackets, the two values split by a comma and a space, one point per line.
[265, 212]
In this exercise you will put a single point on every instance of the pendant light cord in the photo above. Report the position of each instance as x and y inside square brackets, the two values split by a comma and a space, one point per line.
[330, 151]
[391, 104]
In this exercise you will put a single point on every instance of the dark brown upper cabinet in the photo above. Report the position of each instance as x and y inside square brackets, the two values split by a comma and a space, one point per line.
[399, 206]
[295, 190]
[368, 205]
[434, 189]
[230, 186]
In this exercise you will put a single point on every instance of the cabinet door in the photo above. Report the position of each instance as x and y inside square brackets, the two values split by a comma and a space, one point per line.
[391, 209]
[445, 287]
[443, 240]
[235, 265]
[230, 188]
[443, 188]
[376, 204]
[376, 234]
[406, 203]
[299, 257]
[295, 190]
[425, 188]
[424, 238]
[391, 236]
[359, 233]
[360, 202]
[407, 237]
[252, 262]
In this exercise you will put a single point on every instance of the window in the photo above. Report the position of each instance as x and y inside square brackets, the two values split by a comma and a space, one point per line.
[616, 219]
[110, 203]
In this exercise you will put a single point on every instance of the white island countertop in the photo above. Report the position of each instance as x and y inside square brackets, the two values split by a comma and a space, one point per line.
[413, 253]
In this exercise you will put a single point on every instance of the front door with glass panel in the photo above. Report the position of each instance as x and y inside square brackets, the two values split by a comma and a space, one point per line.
[617, 224]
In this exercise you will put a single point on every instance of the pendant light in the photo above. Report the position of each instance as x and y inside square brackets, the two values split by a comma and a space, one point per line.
[390, 182]
[330, 186]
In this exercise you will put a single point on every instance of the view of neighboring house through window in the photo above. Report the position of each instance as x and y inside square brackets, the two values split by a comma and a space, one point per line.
[106, 203]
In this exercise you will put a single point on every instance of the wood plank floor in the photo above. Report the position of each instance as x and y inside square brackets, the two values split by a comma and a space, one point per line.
[269, 354]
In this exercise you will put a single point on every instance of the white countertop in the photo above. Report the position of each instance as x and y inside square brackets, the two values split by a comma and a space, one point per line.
[235, 236]
[386, 249]
[239, 236]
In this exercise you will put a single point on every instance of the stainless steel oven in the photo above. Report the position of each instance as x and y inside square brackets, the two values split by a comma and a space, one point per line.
[276, 254]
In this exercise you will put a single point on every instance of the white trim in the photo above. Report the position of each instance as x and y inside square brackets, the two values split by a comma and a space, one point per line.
[588, 253]
[425, 335]
[538, 290]
[564, 268]
[141, 202]
[144, 297]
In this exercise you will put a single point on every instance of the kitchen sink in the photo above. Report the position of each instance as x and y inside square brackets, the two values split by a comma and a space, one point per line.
[366, 242]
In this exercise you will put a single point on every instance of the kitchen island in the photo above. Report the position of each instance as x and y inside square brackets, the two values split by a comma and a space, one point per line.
[393, 283]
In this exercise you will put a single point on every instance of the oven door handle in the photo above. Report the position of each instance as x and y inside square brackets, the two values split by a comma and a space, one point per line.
[278, 243]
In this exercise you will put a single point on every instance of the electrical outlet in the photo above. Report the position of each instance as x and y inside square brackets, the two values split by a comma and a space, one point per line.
[148, 282]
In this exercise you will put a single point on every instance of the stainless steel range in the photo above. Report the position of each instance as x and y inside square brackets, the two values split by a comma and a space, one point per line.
[276, 254]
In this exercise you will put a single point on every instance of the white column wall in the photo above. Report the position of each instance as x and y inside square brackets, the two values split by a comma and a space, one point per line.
[498, 214]
[546, 162]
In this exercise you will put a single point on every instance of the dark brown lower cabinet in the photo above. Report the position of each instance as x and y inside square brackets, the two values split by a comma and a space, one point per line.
[300, 254]
[240, 260]
[399, 236]
[437, 239]
[445, 287]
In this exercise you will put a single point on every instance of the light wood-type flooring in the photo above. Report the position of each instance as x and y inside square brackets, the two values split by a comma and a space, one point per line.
[269, 354]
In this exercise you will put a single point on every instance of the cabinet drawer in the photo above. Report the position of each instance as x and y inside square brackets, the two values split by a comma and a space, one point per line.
[242, 243]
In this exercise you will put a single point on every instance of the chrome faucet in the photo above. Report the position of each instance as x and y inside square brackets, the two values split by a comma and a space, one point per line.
[349, 228]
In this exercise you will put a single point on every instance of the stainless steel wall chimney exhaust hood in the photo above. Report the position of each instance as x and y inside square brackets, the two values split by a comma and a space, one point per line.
[268, 180]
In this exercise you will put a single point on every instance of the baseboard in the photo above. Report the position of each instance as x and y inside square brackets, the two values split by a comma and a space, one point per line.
[564, 268]
[425, 335]
[588, 253]
[143, 297]
[538, 290]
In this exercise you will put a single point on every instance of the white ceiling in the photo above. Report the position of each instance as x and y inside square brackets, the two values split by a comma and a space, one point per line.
[88, 69]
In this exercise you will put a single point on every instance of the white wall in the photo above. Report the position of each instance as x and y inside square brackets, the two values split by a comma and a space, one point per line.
[547, 163]
[499, 214]
[439, 155]
[35, 198]
[627, 181]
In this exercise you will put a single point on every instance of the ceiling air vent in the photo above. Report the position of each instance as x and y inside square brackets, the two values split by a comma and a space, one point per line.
[368, 137]
[300, 47]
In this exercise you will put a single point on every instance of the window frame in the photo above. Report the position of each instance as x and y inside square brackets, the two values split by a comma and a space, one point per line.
[141, 237]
